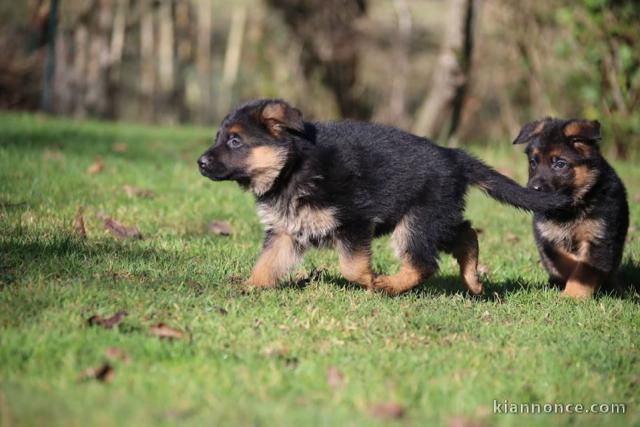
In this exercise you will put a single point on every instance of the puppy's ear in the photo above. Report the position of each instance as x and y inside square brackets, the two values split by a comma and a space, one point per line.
[585, 130]
[583, 135]
[278, 116]
[530, 131]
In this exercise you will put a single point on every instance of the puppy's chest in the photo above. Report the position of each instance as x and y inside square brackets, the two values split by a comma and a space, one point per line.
[572, 236]
[306, 224]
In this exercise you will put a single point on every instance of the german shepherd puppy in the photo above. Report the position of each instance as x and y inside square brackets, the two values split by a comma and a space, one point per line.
[581, 248]
[343, 183]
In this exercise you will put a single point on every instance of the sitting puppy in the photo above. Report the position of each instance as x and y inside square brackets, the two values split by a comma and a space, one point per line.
[344, 183]
[581, 247]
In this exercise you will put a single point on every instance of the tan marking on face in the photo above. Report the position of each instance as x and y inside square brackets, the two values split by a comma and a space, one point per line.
[407, 278]
[585, 150]
[303, 223]
[264, 164]
[535, 152]
[237, 129]
[274, 261]
[555, 152]
[465, 250]
[355, 265]
[584, 179]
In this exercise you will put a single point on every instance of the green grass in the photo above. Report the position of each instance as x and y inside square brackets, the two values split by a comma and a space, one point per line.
[263, 360]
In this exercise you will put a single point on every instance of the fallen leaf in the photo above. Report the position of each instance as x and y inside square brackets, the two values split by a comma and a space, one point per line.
[220, 228]
[107, 322]
[335, 378]
[78, 224]
[119, 147]
[483, 269]
[104, 373]
[163, 331]
[275, 351]
[117, 354]
[117, 229]
[510, 237]
[388, 410]
[636, 198]
[96, 167]
[137, 192]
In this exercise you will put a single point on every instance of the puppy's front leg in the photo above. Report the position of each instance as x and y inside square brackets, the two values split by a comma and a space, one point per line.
[279, 254]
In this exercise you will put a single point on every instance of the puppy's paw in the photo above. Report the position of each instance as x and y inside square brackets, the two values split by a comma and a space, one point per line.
[385, 285]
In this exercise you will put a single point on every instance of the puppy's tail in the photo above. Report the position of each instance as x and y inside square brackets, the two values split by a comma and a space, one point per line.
[506, 190]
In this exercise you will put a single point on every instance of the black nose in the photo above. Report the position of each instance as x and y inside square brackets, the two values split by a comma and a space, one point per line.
[202, 162]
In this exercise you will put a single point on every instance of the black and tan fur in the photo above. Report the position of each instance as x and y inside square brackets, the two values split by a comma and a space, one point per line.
[343, 183]
[581, 247]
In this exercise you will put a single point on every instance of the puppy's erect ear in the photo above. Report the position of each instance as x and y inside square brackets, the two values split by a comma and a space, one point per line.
[583, 135]
[530, 130]
[582, 130]
[278, 116]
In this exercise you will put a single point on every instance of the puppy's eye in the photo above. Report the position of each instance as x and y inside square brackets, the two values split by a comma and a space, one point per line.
[533, 163]
[560, 164]
[234, 142]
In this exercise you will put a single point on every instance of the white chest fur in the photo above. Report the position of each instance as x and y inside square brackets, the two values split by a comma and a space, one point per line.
[304, 223]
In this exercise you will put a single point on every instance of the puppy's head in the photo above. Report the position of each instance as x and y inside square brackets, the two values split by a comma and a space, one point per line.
[252, 145]
[563, 155]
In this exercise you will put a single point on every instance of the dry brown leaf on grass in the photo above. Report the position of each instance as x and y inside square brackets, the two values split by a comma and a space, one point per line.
[335, 378]
[388, 410]
[133, 192]
[117, 354]
[636, 198]
[512, 238]
[96, 167]
[117, 229]
[107, 322]
[78, 224]
[220, 228]
[163, 331]
[119, 147]
[104, 373]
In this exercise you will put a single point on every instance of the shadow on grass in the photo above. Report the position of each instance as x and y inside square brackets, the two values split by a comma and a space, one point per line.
[67, 257]
[493, 290]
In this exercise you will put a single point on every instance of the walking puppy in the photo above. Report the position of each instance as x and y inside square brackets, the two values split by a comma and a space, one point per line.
[344, 183]
[580, 247]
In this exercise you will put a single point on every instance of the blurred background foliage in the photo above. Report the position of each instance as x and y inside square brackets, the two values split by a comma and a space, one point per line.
[459, 70]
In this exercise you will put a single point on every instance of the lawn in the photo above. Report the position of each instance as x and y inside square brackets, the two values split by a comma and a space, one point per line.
[317, 351]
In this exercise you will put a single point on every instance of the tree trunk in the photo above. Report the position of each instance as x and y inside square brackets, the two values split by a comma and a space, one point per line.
[232, 57]
[203, 60]
[446, 98]
[166, 69]
[398, 98]
[147, 62]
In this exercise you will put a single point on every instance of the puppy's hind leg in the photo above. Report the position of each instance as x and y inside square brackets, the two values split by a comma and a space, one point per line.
[418, 255]
[465, 250]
